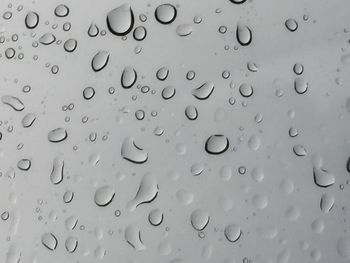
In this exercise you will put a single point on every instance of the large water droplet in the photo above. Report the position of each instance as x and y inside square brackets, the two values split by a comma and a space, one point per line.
[47, 39]
[129, 77]
[199, 219]
[204, 91]
[49, 241]
[291, 24]
[132, 235]
[71, 244]
[191, 112]
[133, 153]
[120, 20]
[232, 232]
[300, 85]
[243, 35]
[322, 177]
[31, 20]
[56, 175]
[165, 13]
[61, 10]
[13, 102]
[104, 195]
[57, 135]
[216, 144]
[100, 60]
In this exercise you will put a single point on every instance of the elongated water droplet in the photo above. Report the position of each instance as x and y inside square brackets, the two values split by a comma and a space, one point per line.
[243, 35]
[165, 13]
[31, 20]
[120, 20]
[327, 203]
[133, 153]
[49, 241]
[28, 120]
[57, 172]
[57, 135]
[13, 102]
[100, 60]
[104, 195]
[129, 77]
[199, 219]
[299, 150]
[147, 192]
[183, 30]
[216, 144]
[204, 91]
[300, 85]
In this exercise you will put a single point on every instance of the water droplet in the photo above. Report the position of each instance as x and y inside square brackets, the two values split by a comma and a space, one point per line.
[61, 10]
[191, 112]
[298, 69]
[24, 164]
[199, 219]
[71, 244]
[70, 45]
[133, 153]
[322, 177]
[31, 20]
[93, 30]
[162, 73]
[100, 60]
[155, 217]
[120, 20]
[300, 85]
[104, 195]
[56, 175]
[57, 135]
[243, 35]
[299, 150]
[140, 33]
[327, 203]
[88, 93]
[216, 144]
[133, 237]
[129, 77]
[238, 1]
[147, 192]
[291, 24]
[49, 241]
[204, 91]
[183, 30]
[47, 39]
[232, 232]
[165, 13]
[168, 92]
[13, 102]
[246, 90]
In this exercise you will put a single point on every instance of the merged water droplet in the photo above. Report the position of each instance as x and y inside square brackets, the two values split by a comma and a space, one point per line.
[132, 235]
[147, 192]
[120, 20]
[216, 144]
[133, 153]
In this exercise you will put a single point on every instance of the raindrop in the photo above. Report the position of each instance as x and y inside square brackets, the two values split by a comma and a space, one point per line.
[165, 13]
[132, 235]
[322, 177]
[93, 30]
[246, 90]
[298, 69]
[243, 35]
[100, 60]
[204, 91]
[140, 33]
[327, 203]
[10, 53]
[133, 153]
[70, 45]
[104, 195]
[199, 219]
[238, 1]
[155, 217]
[191, 112]
[49, 241]
[168, 92]
[56, 175]
[183, 30]
[24, 164]
[120, 20]
[129, 77]
[88, 93]
[31, 20]
[232, 232]
[71, 244]
[13, 102]
[291, 24]
[300, 85]
[61, 10]
[299, 150]
[47, 39]
[216, 144]
[162, 73]
[28, 120]
[57, 135]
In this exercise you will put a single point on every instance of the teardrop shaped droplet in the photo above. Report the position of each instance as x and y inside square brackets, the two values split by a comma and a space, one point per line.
[129, 77]
[199, 219]
[104, 195]
[216, 144]
[204, 91]
[120, 20]
[57, 135]
[133, 153]
[49, 241]
[162, 73]
[147, 192]
[243, 35]
[100, 60]
[232, 232]
[70, 45]
[93, 30]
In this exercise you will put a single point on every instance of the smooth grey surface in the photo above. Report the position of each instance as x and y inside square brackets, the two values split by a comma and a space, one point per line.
[205, 131]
